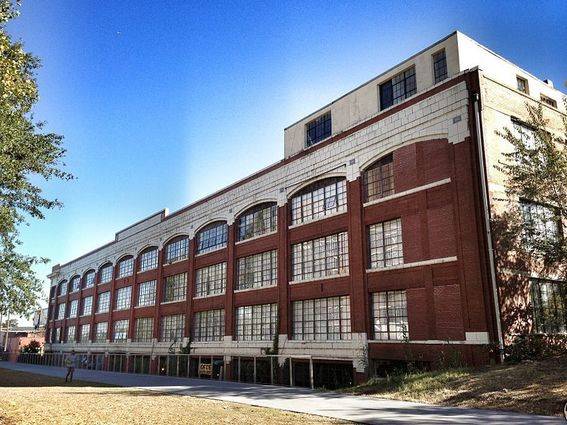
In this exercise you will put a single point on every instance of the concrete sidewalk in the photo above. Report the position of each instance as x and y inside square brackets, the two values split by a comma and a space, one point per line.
[351, 408]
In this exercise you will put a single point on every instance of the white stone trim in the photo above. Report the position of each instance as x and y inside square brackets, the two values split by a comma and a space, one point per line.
[428, 342]
[414, 264]
[408, 192]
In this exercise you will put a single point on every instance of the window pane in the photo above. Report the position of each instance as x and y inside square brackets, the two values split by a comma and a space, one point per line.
[257, 221]
[322, 257]
[212, 237]
[318, 200]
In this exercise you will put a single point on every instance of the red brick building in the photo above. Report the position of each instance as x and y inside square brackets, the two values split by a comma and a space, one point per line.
[368, 244]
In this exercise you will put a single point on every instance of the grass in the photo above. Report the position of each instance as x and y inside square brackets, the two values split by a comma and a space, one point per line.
[530, 387]
[27, 398]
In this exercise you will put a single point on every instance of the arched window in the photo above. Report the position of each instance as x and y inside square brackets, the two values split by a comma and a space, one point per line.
[319, 199]
[75, 284]
[177, 249]
[148, 259]
[378, 179]
[89, 278]
[126, 266]
[62, 288]
[257, 221]
[211, 237]
[106, 273]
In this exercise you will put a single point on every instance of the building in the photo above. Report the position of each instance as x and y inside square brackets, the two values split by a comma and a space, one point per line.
[15, 339]
[365, 246]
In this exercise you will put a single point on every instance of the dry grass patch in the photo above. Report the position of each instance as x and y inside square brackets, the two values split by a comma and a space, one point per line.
[27, 398]
[533, 387]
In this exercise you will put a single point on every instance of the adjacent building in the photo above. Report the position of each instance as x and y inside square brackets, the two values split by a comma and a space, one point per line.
[367, 245]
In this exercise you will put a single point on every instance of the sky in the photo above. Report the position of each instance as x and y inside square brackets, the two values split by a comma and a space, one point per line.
[164, 102]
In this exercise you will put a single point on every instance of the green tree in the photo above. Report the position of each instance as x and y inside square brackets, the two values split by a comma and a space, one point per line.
[536, 171]
[27, 155]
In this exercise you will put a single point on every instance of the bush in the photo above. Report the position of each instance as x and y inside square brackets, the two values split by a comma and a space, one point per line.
[535, 347]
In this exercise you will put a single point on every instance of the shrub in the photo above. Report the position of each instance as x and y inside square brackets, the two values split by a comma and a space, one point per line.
[33, 347]
[535, 347]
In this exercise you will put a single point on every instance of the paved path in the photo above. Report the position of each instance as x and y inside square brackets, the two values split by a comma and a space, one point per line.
[351, 408]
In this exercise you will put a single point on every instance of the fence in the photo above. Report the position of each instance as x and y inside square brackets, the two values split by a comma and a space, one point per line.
[290, 371]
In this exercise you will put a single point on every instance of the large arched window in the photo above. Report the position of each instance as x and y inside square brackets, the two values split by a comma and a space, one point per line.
[75, 284]
[212, 237]
[177, 249]
[378, 179]
[105, 273]
[257, 221]
[126, 266]
[62, 288]
[89, 278]
[148, 259]
[319, 199]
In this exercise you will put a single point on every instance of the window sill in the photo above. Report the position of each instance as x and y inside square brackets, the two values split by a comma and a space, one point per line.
[211, 251]
[173, 302]
[169, 263]
[120, 309]
[407, 192]
[414, 264]
[253, 238]
[146, 270]
[259, 288]
[102, 312]
[145, 306]
[314, 220]
[316, 279]
[200, 297]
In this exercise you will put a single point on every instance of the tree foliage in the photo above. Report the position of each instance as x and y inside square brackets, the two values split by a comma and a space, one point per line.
[33, 347]
[536, 171]
[27, 154]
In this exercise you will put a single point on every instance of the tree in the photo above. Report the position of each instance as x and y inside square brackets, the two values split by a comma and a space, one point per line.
[27, 154]
[536, 171]
[33, 347]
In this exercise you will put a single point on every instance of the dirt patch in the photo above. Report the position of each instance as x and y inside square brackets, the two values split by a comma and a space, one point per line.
[532, 387]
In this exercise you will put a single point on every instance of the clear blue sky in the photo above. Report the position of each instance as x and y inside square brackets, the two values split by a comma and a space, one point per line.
[161, 103]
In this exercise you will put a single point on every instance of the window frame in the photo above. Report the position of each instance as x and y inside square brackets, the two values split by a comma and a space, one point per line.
[319, 319]
[177, 249]
[175, 288]
[146, 333]
[379, 252]
[148, 297]
[250, 323]
[379, 176]
[375, 307]
[388, 100]
[523, 81]
[106, 302]
[263, 265]
[211, 280]
[123, 298]
[209, 233]
[208, 325]
[148, 259]
[437, 78]
[312, 265]
[319, 129]
[106, 273]
[173, 319]
[125, 267]
[125, 323]
[249, 220]
[318, 200]
[556, 293]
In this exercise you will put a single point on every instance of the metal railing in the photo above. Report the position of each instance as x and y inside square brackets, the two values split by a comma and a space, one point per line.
[267, 369]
